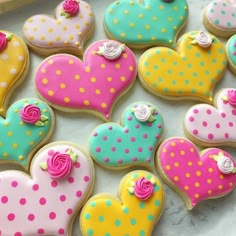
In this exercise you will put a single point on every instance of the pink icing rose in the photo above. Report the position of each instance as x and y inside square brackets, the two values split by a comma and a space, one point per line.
[143, 188]
[59, 165]
[232, 97]
[3, 41]
[71, 7]
[30, 114]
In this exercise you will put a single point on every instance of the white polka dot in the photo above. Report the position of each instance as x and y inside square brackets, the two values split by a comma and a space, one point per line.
[16, 44]
[13, 71]
[4, 56]
[3, 84]
[21, 58]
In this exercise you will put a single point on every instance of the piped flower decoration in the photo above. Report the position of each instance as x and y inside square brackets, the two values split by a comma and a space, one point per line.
[4, 38]
[230, 97]
[59, 165]
[144, 113]
[203, 39]
[31, 114]
[70, 8]
[142, 188]
[111, 50]
[224, 164]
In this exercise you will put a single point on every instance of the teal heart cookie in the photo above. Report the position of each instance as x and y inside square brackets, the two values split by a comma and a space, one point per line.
[133, 142]
[145, 23]
[27, 126]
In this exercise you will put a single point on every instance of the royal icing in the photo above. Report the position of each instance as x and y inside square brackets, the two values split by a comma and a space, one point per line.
[191, 72]
[14, 65]
[39, 204]
[195, 176]
[231, 52]
[67, 32]
[106, 215]
[132, 143]
[22, 131]
[213, 125]
[94, 84]
[145, 23]
[220, 17]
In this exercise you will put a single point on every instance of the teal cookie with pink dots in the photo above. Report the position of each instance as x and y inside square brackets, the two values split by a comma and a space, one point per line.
[133, 142]
[231, 53]
[141, 24]
[29, 123]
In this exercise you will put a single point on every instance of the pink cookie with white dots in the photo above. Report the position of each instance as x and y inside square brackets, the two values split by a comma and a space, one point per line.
[107, 72]
[208, 125]
[46, 202]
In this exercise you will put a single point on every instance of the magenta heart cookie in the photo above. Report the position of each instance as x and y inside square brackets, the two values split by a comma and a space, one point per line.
[208, 125]
[195, 176]
[46, 202]
[67, 32]
[67, 83]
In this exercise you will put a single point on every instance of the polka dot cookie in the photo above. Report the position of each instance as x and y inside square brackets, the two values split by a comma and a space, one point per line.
[208, 125]
[190, 73]
[72, 26]
[133, 142]
[66, 83]
[140, 204]
[14, 66]
[46, 202]
[195, 176]
[219, 17]
[29, 123]
[231, 53]
[141, 24]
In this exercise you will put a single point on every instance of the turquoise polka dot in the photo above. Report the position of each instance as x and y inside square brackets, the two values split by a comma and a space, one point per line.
[157, 203]
[160, 80]
[193, 90]
[189, 47]
[87, 216]
[219, 72]
[93, 204]
[125, 210]
[150, 217]
[195, 74]
[142, 233]
[207, 72]
[189, 66]
[163, 60]
[107, 234]
[169, 52]
[157, 52]
[155, 67]
[135, 175]
[108, 202]
[207, 94]
[101, 218]
[197, 54]
[212, 80]
[224, 4]
[170, 72]
[184, 58]
[214, 60]
[90, 232]
[200, 83]
[126, 235]
[224, 63]
[217, 22]
[209, 52]
[215, 3]
[142, 205]
[186, 81]
[179, 91]
[166, 90]
[175, 63]
[148, 176]
[156, 188]
[212, 10]
[181, 73]
[229, 24]
[117, 223]
[223, 12]
[145, 63]
[133, 221]
[147, 73]
[202, 63]
[221, 50]
[154, 85]
[233, 15]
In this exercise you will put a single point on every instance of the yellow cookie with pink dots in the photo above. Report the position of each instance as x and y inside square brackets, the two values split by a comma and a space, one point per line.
[140, 205]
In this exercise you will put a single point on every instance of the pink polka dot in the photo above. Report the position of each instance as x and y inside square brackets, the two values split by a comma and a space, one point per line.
[95, 134]
[42, 201]
[218, 125]
[14, 184]
[109, 127]
[149, 124]
[98, 149]
[35, 187]
[210, 136]
[62, 198]
[86, 178]
[130, 118]
[155, 113]
[226, 135]
[71, 180]
[22, 201]
[61, 231]
[126, 150]
[140, 149]
[118, 140]
[132, 139]
[134, 159]
[4, 199]
[137, 126]
[204, 123]
[208, 111]
[17, 234]
[31, 217]
[150, 148]
[195, 131]
[54, 183]
[69, 211]
[234, 112]
[195, 111]
[148, 160]
[113, 149]
[145, 136]
[106, 159]
[50, 152]
[231, 124]
[126, 130]
[120, 161]
[11, 217]
[77, 165]
[79, 193]
[104, 138]
[223, 115]
[40, 231]
[191, 119]
[157, 136]
[159, 126]
[52, 215]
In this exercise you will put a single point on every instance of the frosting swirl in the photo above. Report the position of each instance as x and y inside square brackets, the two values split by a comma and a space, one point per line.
[142, 112]
[71, 7]
[59, 165]
[112, 50]
[225, 164]
[3, 41]
[143, 188]
[203, 39]
[30, 114]
[232, 97]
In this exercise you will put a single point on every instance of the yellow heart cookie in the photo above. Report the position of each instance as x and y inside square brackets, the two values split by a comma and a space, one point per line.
[140, 206]
[191, 72]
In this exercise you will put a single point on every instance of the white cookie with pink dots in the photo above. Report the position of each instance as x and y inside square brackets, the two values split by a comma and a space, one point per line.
[208, 125]
[45, 203]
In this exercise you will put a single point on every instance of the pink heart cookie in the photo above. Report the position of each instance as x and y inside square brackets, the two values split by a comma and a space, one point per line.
[208, 125]
[195, 176]
[45, 204]
[67, 83]
[67, 32]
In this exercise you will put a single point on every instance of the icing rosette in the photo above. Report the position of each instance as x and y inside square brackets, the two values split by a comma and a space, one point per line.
[30, 114]
[70, 8]
[225, 165]
[203, 39]
[143, 188]
[3, 40]
[232, 97]
[142, 113]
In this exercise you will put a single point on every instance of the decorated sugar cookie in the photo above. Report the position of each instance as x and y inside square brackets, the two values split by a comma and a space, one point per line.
[195, 176]
[140, 204]
[220, 17]
[231, 53]
[46, 202]
[29, 123]
[107, 71]
[213, 126]
[133, 142]
[72, 26]
[190, 73]
[14, 66]
[141, 24]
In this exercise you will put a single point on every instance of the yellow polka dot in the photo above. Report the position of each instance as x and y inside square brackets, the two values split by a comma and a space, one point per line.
[0, 144]
[182, 17]
[22, 123]
[81, 90]
[64, 28]
[71, 37]
[131, 68]
[175, 27]
[209, 181]
[16, 110]
[77, 43]
[125, 55]
[140, 16]
[115, 21]
[148, 7]
[111, 10]
[62, 86]
[139, 36]
[172, 154]
[112, 90]
[186, 187]
[6, 123]
[131, 24]
[58, 72]
[50, 62]
[50, 93]
[170, 19]
[222, 177]
[109, 79]
[197, 184]
[122, 35]
[43, 20]
[9, 133]
[147, 26]
[86, 102]
[191, 149]
[163, 30]
[15, 145]
[126, 12]
[123, 78]
[176, 164]
[40, 133]
[162, 7]
[220, 187]
[176, 178]
[50, 43]
[131, 3]
[31, 143]
[198, 173]
[66, 42]
[31, 37]
[210, 170]
[168, 167]
[58, 22]
[28, 133]
[188, 175]
[164, 150]
[42, 38]
[30, 20]
[154, 18]
[182, 153]
[103, 66]
[21, 158]
[98, 91]
[5, 154]
[77, 26]
[87, 69]
[71, 62]
[50, 30]
[58, 39]
[196, 195]
[117, 65]
[190, 163]
[93, 79]
[66, 100]
[231, 184]
[76, 77]
[43, 71]
[209, 192]
[44, 80]
[173, 144]
[182, 141]
[175, 8]
[103, 105]
[200, 163]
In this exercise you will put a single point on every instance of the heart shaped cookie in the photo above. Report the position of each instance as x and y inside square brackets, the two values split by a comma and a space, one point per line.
[231, 53]
[29, 123]
[46, 202]
[133, 142]
[72, 26]
[66, 83]
[192, 72]
[14, 66]
[195, 176]
[219, 17]
[208, 125]
[140, 205]
[141, 24]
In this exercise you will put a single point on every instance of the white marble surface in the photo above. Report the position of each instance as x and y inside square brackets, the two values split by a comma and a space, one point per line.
[212, 217]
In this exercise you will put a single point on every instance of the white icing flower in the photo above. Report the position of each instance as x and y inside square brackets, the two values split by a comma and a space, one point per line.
[203, 39]
[142, 112]
[225, 165]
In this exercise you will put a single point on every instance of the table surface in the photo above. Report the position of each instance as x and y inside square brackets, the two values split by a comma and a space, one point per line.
[212, 217]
